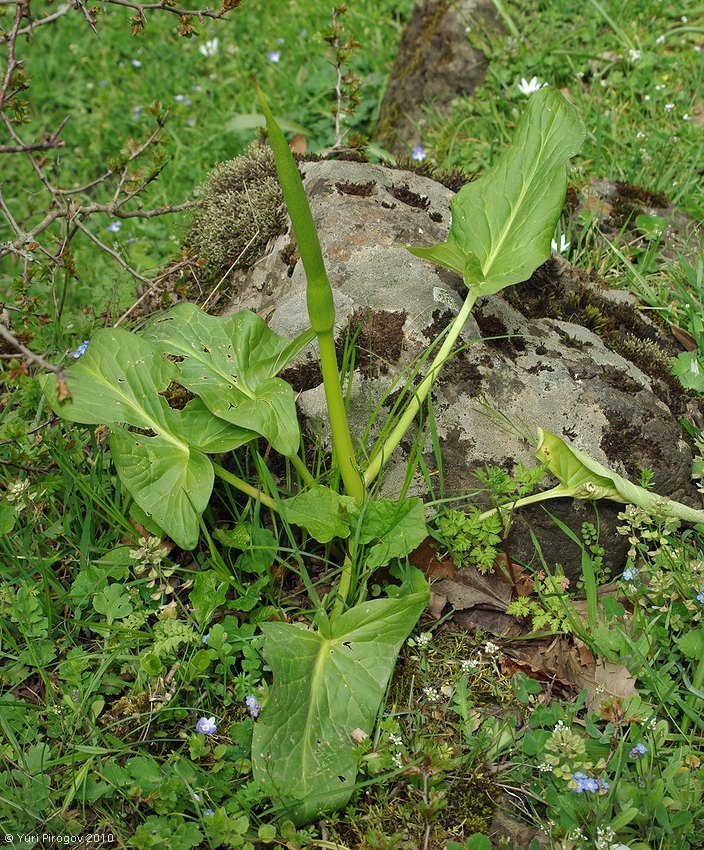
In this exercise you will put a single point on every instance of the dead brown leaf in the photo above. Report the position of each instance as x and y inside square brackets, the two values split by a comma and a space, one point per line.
[298, 144]
[685, 338]
[427, 559]
[605, 679]
[470, 589]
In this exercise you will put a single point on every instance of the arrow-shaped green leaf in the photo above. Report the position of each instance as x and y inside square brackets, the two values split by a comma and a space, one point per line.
[502, 223]
[327, 684]
[230, 363]
[120, 380]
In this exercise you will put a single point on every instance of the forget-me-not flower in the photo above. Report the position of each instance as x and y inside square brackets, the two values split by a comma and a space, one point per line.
[114, 227]
[206, 726]
[630, 574]
[274, 55]
[639, 750]
[253, 705]
[81, 350]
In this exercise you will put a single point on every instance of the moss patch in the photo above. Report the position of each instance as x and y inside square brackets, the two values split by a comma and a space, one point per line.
[377, 336]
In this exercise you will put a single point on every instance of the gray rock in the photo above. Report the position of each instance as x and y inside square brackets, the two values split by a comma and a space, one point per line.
[519, 368]
[434, 64]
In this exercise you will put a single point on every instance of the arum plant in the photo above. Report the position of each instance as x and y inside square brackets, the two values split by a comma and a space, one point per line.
[328, 677]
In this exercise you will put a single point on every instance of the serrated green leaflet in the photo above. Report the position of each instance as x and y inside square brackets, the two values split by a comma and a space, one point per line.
[327, 684]
[119, 380]
[398, 526]
[583, 478]
[502, 223]
[230, 363]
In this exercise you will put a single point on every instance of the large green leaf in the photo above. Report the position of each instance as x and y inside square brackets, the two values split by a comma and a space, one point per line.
[169, 480]
[583, 478]
[327, 684]
[502, 223]
[119, 380]
[230, 363]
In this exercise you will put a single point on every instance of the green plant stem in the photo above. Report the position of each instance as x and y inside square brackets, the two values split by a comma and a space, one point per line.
[341, 438]
[241, 485]
[380, 457]
[558, 492]
[302, 470]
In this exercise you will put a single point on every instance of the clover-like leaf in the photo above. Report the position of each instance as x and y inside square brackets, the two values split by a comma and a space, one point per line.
[230, 362]
[327, 684]
[502, 223]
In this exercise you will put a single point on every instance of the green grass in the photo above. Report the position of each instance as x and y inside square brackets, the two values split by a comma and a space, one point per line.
[105, 670]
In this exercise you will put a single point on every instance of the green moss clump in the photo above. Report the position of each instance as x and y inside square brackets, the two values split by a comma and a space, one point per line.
[242, 208]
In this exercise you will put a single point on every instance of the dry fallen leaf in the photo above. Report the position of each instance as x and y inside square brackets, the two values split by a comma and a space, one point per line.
[470, 589]
[298, 144]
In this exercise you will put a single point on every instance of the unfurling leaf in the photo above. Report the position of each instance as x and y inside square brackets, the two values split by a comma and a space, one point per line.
[583, 478]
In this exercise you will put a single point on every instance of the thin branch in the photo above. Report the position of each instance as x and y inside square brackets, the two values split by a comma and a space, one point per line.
[141, 8]
[8, 336]
[38, 22]
[50, 141]
[108, 250]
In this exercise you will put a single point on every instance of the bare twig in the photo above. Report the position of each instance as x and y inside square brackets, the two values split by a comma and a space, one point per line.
[8, 336]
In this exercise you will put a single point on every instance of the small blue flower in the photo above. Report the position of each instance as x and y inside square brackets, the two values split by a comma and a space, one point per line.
[191, 122]
[196, 797]
[630, 574]
[274, 55]
[209, 812]
[114, 227]
[280, 40]
[584, 783]
[81, 350]
[182, 98]
[136, 112]
[135, 63]
[639, 750]
[418, 153]
[700, 597]
[206, 638]
[603, 784]
[206, 726]
[252, 704]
